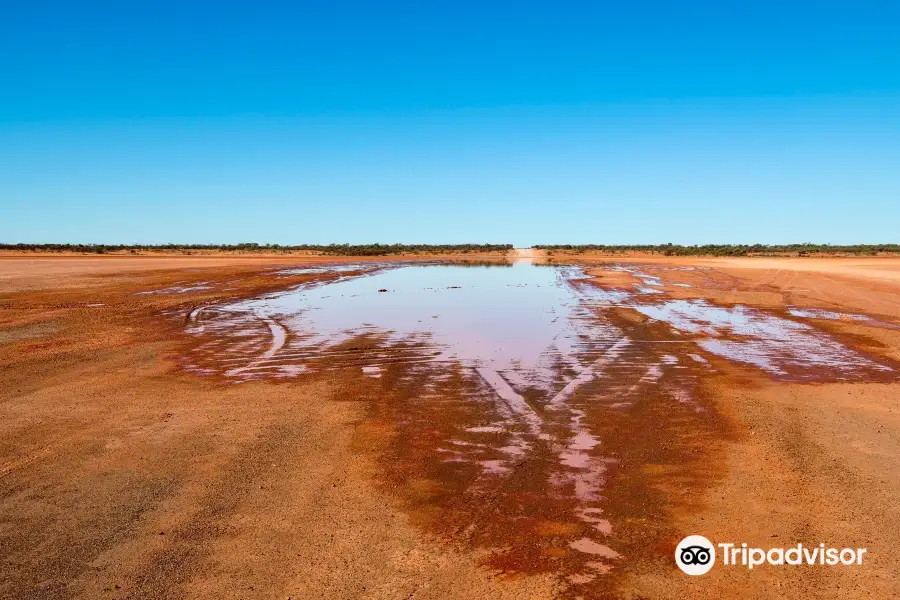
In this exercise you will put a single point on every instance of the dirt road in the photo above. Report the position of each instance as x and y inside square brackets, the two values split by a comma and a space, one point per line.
[123, 474]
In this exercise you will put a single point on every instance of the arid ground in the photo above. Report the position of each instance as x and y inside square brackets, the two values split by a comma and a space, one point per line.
[284, 427]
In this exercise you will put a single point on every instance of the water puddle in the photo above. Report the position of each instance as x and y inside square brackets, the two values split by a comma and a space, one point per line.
[520, 319]
[317, 269]
[521, 394]
[775, 344]
[819, 313]
[179, 289]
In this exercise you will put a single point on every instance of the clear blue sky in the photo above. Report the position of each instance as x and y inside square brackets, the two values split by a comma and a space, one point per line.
[520, 122]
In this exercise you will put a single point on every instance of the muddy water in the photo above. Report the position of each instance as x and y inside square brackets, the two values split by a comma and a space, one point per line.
[518, 326]
[517, 318]
[537, 415]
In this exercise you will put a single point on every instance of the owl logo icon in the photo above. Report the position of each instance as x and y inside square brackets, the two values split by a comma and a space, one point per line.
[695, 555]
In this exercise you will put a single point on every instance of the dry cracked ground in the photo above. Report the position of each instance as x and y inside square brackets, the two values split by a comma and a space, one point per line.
[296, 427]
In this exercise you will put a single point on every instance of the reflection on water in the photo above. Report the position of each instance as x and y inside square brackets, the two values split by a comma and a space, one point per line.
[819, 313]
[179, 289]
[520, 320]
[520, 388]
[775, 344]
[497, 318]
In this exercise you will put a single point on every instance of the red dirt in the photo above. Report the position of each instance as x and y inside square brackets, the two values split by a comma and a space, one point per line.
[122, 477]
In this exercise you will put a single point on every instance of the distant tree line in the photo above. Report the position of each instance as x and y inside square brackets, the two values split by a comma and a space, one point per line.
[331, 249]
[729, 249]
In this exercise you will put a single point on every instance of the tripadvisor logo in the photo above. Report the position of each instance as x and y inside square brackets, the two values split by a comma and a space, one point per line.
[696, 555]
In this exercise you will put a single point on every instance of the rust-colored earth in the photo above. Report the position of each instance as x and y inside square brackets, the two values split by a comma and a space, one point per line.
[163, 438]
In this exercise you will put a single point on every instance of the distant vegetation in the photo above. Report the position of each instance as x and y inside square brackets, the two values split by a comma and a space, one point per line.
[332, 249]
[395, 249]
[731, 249]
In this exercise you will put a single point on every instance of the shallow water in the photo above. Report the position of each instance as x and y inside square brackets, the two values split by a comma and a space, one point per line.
[777, 345]
[179, 289]
[518, 386]
[522, 320]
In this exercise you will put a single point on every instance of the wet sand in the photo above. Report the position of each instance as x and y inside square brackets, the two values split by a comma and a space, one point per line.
[127, 472]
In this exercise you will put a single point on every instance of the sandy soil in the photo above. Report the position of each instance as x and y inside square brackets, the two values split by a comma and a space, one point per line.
[41, 270]
[121, 477]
